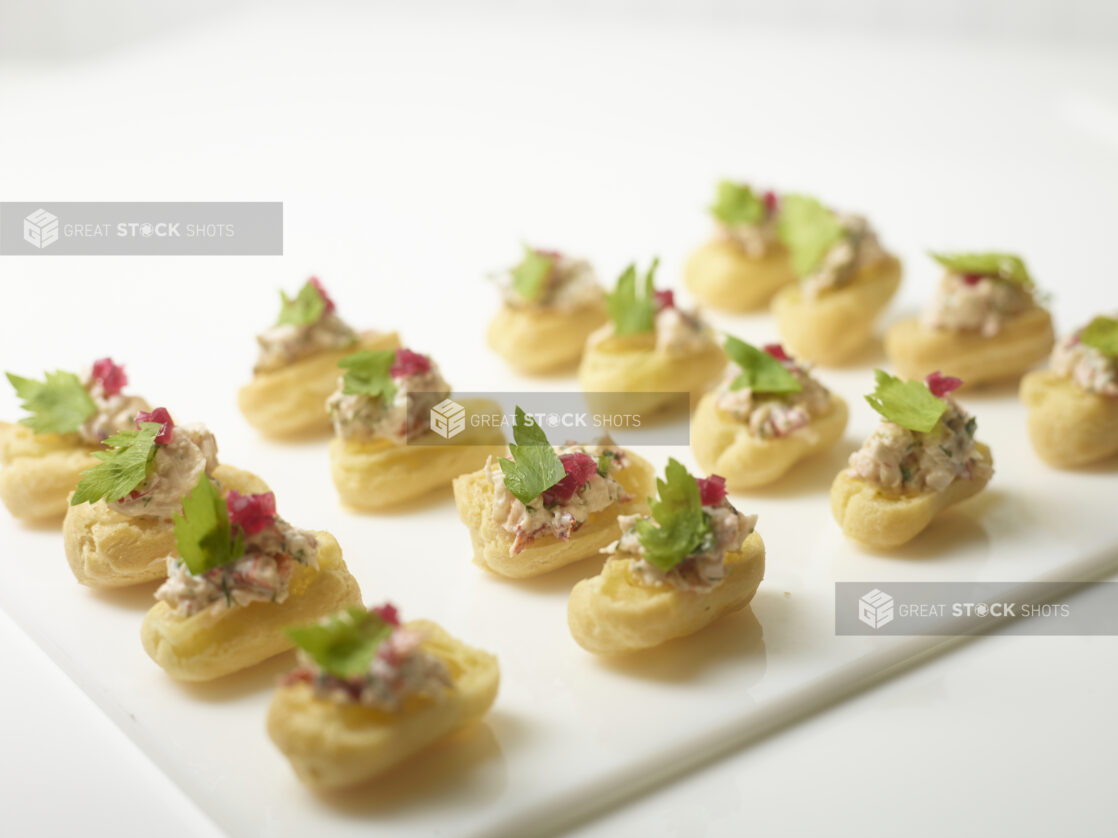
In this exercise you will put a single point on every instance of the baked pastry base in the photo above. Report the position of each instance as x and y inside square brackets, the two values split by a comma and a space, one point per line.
[40, 471]
[1068, 425]
[722, 275]
[538, 341]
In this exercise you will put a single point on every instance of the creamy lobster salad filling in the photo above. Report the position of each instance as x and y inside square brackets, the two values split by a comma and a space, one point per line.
[1090, 366]
[973, 303]
[900, 459]
[182, 454]
[367, 658]
[856, 248]
[771, 415]
[547, 280]
[272, 549]
[723, 531]
[746, 218]
[387, 394]
[307, 324]
[590, 485]
[114, 411]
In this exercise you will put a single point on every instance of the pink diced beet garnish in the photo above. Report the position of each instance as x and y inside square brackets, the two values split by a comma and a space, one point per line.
[252, 513]
[409, 363]
[941, 385]
[772, 202]
[110, 376]
[711, 489]
[322, 293]
[580, 467]
[161, 417]
[777, 351]
[664, 299]
[972, 279]
[388, 613]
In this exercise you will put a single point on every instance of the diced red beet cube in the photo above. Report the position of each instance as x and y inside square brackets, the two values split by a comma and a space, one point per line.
[409, 363]
[322, 293]
[941, 385]
[972, 279]
[580, 467]
[772, 202]
[163, 418]
[110, 376]
[387, 612]
[252, 513]
[711, 489]
[664, 299]
[777, 351]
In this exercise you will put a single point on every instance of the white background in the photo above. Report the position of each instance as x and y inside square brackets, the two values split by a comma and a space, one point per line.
[412, 153]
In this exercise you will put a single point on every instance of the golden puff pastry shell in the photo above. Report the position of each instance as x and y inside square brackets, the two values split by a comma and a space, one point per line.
[613, 613]
[332, 745]
[832, 329]
[212, 643]
[722, 275]
[40, 471]
[915, 349]
[1068, 426]
[292, 400]
[380, 474]
[107, 549]
[723, 445]
[473, 494]
[883, 520]
[543, 340]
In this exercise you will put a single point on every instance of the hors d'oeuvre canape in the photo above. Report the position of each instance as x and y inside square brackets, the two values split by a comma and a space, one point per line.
[549, 507]
[1073, 405]
[984, 324]
[384, 452]
[672, 573]
[68, 419]
[768, 413]
[922, 458]
[240, 575]
[650, 347]
[117, 529]
[552, 302]
[744, 264]
[846, 280]
[298, 363]
[368, 692]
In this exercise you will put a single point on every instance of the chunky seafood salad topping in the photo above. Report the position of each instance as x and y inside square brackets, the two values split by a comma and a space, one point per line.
[367, 658]
[232, 551]
[926, 440]
[307, 323]
[147, 470]
[386, 393]
[1089, 356]
[979, 292]
[636, 309]
[551, 491]
[91, 406]
[685, 541]
[745, 217]
[770, 392]
[827, 249]
[550, 280]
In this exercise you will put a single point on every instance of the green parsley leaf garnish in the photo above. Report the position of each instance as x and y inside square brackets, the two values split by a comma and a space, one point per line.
[1101, 334]
[125, 463]
[343, 645]
[368, 373]
[760, 371]
[1006, 266]
[737, 204]
[808, 230]
[683, 526]
[58, 405]
[306, 308]
[530, 276]
[535, 466]
[203, 534]
[909, 404]
[633, 313]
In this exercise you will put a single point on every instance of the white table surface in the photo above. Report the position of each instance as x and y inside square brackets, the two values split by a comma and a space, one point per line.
[1007, 734]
